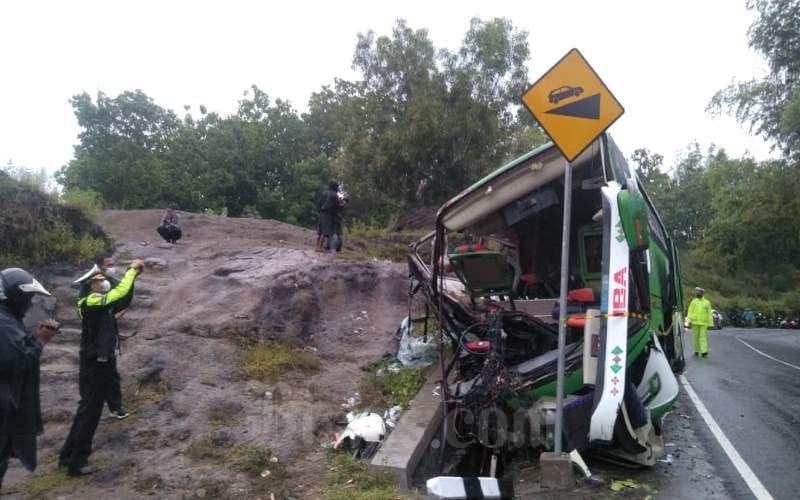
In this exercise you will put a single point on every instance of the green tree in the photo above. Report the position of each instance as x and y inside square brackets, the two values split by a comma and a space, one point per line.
[771, 104]
[120, 148]
[421, 114]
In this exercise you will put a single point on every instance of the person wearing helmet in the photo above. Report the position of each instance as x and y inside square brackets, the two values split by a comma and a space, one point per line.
[105, 265]
[699, 317]
[20, 411]
[99, 341]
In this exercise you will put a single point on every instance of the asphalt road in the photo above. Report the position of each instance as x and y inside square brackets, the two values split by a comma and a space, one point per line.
[756, 402]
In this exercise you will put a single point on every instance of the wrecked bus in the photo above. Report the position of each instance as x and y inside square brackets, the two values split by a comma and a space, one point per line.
[490, 276]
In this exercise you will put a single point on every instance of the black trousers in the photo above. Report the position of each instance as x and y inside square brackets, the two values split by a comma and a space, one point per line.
[334, 240]
[5, 455]
[114, 397]
[170, 233]
[94, 382]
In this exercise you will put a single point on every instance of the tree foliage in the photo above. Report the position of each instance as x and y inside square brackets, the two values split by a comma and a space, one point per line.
[771, 104]
[418, 115]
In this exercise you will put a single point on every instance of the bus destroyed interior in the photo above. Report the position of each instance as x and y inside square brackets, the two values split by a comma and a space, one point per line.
[490, 275]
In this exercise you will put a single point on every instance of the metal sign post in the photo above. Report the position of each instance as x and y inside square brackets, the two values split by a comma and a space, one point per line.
[573, 106]
[562, 306]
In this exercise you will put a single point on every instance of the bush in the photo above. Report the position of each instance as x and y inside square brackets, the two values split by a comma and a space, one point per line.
[36, 230]
[89, 203]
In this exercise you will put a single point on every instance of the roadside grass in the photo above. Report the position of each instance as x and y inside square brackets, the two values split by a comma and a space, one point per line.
[388, 389]
[46, 485]
[363, 242]
[267, 360]
[254, 460]
[349, 479]
[138, 396]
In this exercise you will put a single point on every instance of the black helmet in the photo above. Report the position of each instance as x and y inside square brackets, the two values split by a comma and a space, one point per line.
[17, 288]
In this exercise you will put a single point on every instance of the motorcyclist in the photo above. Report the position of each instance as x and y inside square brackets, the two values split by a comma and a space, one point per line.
[20, 410]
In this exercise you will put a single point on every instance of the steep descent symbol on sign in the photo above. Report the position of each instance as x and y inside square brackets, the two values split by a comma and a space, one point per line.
[588, 107]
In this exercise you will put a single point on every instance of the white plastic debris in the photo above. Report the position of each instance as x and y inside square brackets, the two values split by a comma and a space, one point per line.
[366, 425]
[415, 352]
[352, 401]
[390, 417]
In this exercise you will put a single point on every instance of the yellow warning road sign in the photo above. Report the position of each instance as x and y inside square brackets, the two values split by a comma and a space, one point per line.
[572, 104]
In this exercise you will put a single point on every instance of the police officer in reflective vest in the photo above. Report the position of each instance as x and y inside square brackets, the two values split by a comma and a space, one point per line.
[700, 319]
[99, 341]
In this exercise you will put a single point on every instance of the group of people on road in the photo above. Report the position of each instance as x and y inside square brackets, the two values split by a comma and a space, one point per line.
[102, 301]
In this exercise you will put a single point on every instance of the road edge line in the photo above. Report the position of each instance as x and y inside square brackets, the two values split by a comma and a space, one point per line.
[744, 470]
[768, 356]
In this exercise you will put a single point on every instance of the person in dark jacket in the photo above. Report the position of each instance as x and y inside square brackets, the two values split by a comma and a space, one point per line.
[20, 411]
[170, 227]
[99, 341]
[105, 265]
[331, 206]
[327, 206]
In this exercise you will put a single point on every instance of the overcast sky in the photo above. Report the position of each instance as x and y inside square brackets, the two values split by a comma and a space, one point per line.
[663, 60]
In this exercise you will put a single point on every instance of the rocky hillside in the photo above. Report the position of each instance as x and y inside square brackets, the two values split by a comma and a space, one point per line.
[197, 422]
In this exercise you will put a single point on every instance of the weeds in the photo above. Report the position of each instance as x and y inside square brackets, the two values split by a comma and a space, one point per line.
[268, 360]
[45, 484]
[140, 395]
[147, 484]
[349, 479]
[390, 389]
[364, 242]
[254, 460]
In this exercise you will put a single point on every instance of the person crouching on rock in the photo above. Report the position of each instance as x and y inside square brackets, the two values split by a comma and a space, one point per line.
[99, 341]
[170, 227]
[20, 411]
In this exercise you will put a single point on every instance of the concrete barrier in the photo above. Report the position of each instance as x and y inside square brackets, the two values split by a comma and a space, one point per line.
[409, 441]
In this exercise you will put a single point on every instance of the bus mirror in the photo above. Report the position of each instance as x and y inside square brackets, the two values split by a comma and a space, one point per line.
[633, 214]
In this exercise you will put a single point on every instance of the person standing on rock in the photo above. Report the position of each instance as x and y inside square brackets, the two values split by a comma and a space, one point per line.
[328, 206]
[99, 341]
[105, 265]
[170, 227]
[699, 317]
[20, 410]
[336, 239]
[331, 205]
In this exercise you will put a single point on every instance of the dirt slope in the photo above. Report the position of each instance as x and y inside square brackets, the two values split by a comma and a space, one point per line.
[226, 279]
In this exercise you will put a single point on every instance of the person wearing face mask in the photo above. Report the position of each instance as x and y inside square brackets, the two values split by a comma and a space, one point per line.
[105, 265]
[699, 317]
[99, 341]
[20, 411]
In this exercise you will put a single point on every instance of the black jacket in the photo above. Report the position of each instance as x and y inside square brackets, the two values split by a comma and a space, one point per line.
[20, 409]
[328, 201]
[99, 334]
